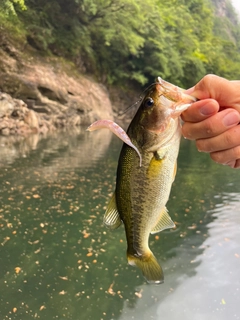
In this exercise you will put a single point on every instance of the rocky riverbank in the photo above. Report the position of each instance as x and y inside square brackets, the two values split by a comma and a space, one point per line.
[40, 95]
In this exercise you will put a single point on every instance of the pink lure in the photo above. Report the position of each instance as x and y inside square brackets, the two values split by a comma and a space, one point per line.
[117, 130]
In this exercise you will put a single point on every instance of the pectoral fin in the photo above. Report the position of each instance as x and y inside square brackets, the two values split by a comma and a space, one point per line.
[164, 222]
[155, 165]
[160, 154]
[111, 217]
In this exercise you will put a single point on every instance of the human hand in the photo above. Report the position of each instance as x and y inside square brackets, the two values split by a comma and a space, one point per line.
[213, 120]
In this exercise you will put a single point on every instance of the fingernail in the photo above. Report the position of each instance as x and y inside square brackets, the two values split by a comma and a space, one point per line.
[207, 110]
[231, 163]
[190, 90]
[231, 119]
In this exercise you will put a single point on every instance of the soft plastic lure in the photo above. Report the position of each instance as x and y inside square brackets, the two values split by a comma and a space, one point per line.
[117, 130]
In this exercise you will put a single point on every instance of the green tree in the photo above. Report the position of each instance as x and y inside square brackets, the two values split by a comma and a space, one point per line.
[9, 6]
[126, 42]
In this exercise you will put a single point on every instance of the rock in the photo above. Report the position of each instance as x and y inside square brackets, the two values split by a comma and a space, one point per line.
[32, 120]
[11, 124]
[3, 123]
[42, 96]
[43, 129]
[75, 121]
[24, 130]
[5, 132]
[6, 105]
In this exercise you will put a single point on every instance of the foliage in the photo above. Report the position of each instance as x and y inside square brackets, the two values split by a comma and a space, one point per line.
[133, 41]
[9, 6]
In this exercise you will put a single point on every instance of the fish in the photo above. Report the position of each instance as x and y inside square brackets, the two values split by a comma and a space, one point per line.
[146, 169]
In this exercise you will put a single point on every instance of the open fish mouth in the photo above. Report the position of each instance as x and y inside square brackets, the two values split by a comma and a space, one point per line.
[176, 94]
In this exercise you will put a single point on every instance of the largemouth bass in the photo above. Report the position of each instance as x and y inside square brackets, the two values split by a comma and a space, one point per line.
[146, 170]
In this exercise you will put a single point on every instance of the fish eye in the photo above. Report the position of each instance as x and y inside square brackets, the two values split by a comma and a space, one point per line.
[148, 103]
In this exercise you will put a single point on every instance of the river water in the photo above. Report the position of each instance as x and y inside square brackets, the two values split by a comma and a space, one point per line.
[58, 261]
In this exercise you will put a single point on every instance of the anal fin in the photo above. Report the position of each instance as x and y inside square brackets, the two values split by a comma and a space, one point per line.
[111, 217]
[164, 222]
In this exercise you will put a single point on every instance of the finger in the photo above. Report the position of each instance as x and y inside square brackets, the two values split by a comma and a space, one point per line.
[230, 157]
[212, 126]
[200, 110]
[220, 89]
[237, 164]
[229, 139]
[231, 164]
[190, 90]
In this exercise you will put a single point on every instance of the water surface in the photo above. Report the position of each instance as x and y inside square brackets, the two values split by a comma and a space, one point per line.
[57, 260]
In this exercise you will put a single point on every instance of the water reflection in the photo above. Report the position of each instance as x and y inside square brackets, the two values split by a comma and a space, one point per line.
[212, 291]
[75, 148]
[59, 262]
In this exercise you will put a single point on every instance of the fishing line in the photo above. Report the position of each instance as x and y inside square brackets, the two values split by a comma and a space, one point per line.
[121, 113]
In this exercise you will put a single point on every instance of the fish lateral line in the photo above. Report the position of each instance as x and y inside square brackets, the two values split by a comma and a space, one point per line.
[117, 130]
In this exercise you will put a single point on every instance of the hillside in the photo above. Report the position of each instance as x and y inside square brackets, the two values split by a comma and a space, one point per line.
[72, 62]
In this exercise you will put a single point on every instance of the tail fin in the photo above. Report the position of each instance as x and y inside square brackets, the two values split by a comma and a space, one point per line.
[151, 269]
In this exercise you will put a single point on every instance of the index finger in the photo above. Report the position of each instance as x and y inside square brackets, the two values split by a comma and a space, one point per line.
[224, 91]
[200, 110]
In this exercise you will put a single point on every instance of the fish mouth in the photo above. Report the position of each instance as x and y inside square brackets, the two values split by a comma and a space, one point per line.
[181, 101]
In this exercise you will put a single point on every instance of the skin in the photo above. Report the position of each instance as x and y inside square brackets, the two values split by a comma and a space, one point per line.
[213, 121]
